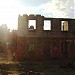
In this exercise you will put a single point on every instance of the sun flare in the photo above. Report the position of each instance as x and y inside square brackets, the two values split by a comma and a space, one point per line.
[9, 10]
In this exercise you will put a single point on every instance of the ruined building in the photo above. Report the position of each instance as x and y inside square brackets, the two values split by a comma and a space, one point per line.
[43, 38]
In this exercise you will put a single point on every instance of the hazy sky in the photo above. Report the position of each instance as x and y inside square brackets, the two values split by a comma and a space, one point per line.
[10, 9]
[50, 8]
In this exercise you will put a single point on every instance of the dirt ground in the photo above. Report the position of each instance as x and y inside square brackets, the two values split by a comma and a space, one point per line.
[51, 67]
[46, 67]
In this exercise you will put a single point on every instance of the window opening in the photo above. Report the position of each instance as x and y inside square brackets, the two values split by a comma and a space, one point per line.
[47, 25]
[32, 24]
[64, 25]
[31, 47]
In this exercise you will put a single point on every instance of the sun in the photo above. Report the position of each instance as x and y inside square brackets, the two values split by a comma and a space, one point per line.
[9, 11]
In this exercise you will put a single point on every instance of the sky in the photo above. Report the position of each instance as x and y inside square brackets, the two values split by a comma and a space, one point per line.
[10, 9]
